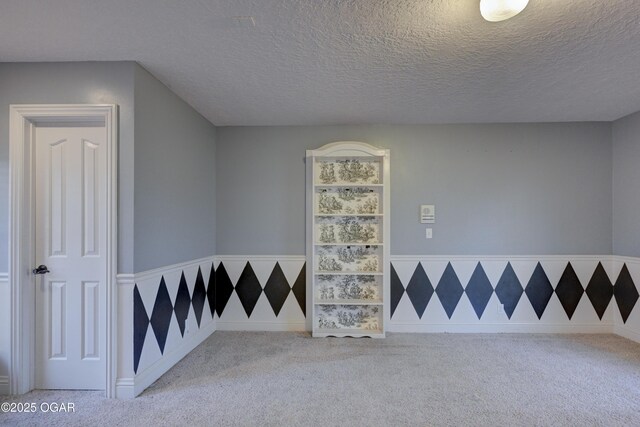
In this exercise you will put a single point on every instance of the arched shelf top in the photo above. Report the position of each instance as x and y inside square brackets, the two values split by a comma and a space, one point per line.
[348, 148]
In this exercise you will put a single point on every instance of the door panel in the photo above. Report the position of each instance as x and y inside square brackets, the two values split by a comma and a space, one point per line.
[57, 203]
[90, 191]
[57, 321]
[70, 206]
[90, 320]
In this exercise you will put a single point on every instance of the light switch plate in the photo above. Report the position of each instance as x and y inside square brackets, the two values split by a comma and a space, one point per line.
[429, 233]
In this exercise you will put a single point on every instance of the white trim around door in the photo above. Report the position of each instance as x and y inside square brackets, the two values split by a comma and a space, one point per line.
[24, 119]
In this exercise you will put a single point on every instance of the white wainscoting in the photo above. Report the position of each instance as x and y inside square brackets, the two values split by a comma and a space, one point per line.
[463, 318]
[262, 315]
[493, 319]
[160, 348]
[631, 328]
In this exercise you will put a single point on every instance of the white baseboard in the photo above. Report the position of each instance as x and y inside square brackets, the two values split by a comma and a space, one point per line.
[626, 332]
[532, 328]
[127, 388]
[4, 385]
[261, 326]
[5, 306]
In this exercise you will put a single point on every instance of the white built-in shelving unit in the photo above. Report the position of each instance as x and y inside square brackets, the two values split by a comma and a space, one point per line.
[348, 239]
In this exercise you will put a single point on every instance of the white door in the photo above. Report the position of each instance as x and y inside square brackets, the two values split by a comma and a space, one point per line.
[71, 236]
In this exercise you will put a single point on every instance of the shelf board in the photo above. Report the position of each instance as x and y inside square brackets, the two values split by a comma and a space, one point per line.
[355, 333]
[348, 244]
[348, 302]
[349, 273]
[352, 215]
[348, 185]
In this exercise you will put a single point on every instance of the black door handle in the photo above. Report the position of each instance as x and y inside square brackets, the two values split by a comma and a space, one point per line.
[41, 269]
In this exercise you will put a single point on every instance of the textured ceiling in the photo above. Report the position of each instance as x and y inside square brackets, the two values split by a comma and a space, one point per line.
[353, 61]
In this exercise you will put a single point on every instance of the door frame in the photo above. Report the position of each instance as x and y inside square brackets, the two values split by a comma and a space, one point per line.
[23, 122]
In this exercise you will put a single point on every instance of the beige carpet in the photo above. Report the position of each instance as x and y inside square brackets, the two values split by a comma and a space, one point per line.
[290, 379]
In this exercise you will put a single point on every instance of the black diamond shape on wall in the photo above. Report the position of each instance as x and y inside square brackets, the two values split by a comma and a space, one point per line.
[224, 289]
[396, 290]
[211, 291]
[479, 290]
[299, 289]
[248, 289]
[449, 290]
[625, 292]
[539, 290]
[199, 295]
[140, 326]
[600, 290]
[183, 301]
[509, 290]
[161, 315]
[569, 290]
[419, 290]
[277, 289]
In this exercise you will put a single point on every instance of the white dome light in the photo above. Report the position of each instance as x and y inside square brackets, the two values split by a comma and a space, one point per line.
[499, 10]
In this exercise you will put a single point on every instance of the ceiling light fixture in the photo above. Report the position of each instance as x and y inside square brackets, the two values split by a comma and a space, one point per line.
[499, 10]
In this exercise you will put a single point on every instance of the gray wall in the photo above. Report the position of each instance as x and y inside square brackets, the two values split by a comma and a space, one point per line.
[626, 186]
[66, 83]
[174, 178]
[498, 189]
